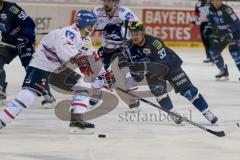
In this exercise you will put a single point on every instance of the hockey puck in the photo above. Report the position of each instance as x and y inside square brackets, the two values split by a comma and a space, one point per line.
[102, 136]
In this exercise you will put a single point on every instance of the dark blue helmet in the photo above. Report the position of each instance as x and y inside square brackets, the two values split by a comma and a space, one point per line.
[113, 32]
[85, 18]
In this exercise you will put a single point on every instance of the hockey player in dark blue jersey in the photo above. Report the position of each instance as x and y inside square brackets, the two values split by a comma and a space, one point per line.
[223, 18]
[17, 38]
[161, 64]
[17, 31]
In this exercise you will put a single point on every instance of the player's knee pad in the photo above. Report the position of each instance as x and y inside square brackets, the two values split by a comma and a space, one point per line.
[80, 102]
[165, 102]
[193, 95]
[236, 57]
[26, 97]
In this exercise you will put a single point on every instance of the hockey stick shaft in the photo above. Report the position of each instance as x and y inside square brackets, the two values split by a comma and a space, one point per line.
[7, 45]
[216, 133]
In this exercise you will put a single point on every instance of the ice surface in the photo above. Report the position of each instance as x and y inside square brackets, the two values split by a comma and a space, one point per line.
[38, 135]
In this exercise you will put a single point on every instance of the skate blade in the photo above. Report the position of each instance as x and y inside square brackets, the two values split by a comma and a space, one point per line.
[222, 79]
[75, 130]
[134, 110]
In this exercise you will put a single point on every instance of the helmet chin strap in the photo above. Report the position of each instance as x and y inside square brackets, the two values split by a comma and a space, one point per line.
[87, 32]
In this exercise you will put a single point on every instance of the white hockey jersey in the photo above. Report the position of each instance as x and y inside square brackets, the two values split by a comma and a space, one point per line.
[121, 14]
[58, 47]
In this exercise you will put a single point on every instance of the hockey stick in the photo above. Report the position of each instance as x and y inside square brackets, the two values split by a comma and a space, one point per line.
[7, 45]
[216, 133]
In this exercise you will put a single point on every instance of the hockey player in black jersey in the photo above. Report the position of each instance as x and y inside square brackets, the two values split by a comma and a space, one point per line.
[224, 19]
[17, 32]
[161, 64]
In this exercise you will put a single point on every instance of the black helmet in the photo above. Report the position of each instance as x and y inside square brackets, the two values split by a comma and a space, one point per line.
[136, 26]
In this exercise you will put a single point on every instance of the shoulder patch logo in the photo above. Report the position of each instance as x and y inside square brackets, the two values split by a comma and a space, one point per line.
[14, 10]
[157, 44]
[229, 10]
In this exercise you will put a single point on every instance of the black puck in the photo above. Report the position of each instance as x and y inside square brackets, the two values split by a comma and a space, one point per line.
[102, 136]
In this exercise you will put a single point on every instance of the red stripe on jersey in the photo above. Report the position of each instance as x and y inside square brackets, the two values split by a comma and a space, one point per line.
[9, 114]
[75, 104]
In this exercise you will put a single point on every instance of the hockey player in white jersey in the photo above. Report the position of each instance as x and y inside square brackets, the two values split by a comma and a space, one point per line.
[70, 44]
[112, 13]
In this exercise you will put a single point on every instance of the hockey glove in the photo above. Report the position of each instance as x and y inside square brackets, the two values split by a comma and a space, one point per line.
[83, 63]
[24, 50]
[109, 77]
[208, 30]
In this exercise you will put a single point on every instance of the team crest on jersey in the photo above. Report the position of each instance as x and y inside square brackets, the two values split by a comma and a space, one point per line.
[14, 10]
[229, 10]
[3, 16]
[157, 44]
[146, 51]
[219, 13]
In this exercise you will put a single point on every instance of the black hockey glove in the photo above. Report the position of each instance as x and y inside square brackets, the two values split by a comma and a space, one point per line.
[25, 50]
[208, 30]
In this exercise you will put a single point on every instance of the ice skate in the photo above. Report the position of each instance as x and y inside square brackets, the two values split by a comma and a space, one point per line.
[175, 119]
[95, 97]
[210, 117]
[208, 60]
[49, 101]
[3, 95]
[223, 74]
[134, 105]
[78, 125]
[2, 125]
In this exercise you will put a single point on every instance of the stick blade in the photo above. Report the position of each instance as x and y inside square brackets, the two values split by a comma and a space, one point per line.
[219, 133]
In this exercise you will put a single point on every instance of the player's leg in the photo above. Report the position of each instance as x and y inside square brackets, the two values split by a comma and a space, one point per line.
[6, 56]
[25, 52]
[215, 51]
[3, 84]
[70, 81]
[206, 43]
[234, 49]
[184, 86]
[130, 81]
[106, 60]
[34, 85]
[158, 88]
[79, 105]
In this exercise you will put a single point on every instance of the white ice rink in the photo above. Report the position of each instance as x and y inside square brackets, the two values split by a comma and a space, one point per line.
[38, 135]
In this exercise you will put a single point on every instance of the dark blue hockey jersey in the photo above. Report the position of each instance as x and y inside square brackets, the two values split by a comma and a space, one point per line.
[15, 23]
[225, 19]
[154, 50]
